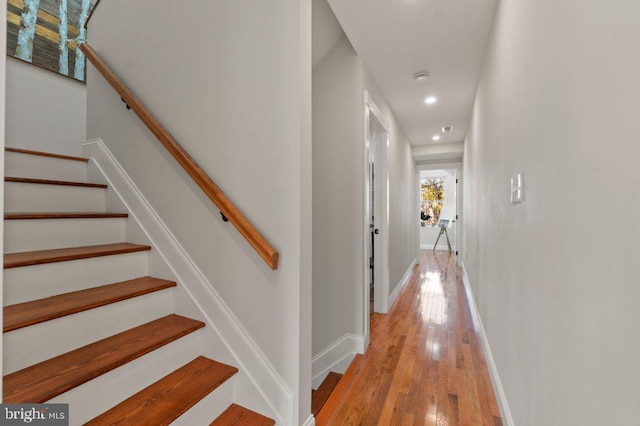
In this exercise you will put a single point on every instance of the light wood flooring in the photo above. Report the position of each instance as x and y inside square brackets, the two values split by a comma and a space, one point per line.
[425, 364]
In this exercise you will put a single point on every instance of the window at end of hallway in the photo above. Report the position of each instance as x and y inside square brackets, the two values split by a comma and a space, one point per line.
[432, 191]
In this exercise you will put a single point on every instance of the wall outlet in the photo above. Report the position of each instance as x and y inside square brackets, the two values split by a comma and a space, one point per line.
[517, 189]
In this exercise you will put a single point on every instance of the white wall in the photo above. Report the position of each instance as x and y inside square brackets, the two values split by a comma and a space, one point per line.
[440, 152]
[338, 182]
[326, 30]
[339, 81]
[305, 220]
[231, 81]
[45, 111]
[559, 101]
[3, 48]
[401, 169]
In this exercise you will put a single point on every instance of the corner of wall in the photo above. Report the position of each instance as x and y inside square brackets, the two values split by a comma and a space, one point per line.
[55, 102]
[311, 421]
[336, 357]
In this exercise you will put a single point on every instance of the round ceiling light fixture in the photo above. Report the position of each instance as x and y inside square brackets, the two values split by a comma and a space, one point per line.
[421, 77]
[436, 138]
[431, 100]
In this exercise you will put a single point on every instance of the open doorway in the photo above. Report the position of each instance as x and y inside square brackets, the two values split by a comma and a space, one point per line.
[376, 275]
[439, 208]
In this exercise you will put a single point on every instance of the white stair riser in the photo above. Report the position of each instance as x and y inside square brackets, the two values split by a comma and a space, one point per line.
[32, 197]
[102, 393]
[209, 407]
[40, 167]
[43, 234]
[37, 343]
[39, 281]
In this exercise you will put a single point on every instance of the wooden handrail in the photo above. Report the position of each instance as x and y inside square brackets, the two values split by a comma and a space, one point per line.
[95, 6]
[200, 177]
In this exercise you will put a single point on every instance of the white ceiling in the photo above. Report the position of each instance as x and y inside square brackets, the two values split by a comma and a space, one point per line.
[397, 38]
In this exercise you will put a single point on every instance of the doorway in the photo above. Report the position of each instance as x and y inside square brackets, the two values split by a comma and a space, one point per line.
[376, 220]
[439, 202]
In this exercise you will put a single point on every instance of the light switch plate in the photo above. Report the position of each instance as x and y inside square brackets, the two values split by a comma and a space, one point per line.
[517, 189]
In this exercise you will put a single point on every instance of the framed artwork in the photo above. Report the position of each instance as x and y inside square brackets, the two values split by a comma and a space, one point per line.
[45, 33]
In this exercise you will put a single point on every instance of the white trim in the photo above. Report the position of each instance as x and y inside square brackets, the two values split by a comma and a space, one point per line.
[403, 281]
[311, 421]
[505, 413]
[369, 103]
[458, 224]
[438, 247]
[249, 357]
[366, 230]
[382, 285]
[336, 357]
[445, 165]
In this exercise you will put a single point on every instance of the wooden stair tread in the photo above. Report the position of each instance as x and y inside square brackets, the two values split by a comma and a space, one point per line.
[240, 416]
[63, 215]
[46, 154]
[37, 311]
[336, 399]
[320, 397]
[27, 258]
[167, 399]
[54, 182]
[50, 378]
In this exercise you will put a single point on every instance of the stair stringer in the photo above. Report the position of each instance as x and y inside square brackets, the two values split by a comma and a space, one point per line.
[258, 386]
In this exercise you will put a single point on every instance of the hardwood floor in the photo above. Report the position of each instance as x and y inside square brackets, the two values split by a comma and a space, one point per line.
[425, 364]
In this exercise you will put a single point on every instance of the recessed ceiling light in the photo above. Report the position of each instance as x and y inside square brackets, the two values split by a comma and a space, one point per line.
[436, 138]
[431, 100]
[421, 77]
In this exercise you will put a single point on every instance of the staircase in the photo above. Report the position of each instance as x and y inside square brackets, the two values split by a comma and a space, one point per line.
[326, 413]
[84, 324]
[320, 396]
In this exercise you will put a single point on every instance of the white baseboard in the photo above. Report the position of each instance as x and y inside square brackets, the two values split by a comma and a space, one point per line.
[311, 421]
[505, 413]
[249, 357]
[438, 247]
[336, 357]
[403, 281]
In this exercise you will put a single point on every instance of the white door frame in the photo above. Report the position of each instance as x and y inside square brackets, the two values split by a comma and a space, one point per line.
[459, 214]
[454, 165]
[381, 286]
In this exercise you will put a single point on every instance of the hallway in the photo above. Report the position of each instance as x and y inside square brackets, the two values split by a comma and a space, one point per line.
[425, 364]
